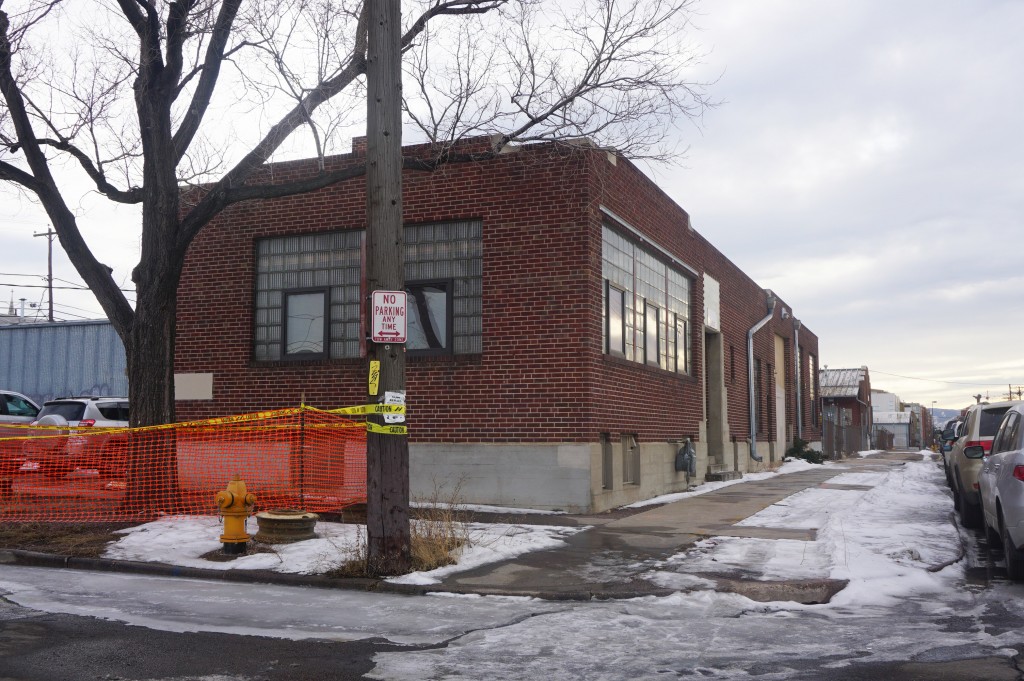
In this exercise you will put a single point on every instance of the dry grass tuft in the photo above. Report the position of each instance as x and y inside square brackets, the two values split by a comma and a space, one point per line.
[438, 532]
[81, 540]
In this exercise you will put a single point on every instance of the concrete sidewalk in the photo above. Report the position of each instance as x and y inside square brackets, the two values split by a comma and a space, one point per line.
[608, 560]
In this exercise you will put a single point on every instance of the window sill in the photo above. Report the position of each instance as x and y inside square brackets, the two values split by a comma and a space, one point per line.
[473, 359]
[623, 362]
[293, 363]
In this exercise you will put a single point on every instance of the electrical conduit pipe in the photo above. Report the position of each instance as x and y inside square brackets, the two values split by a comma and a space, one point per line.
[750, 375]
[796, 366]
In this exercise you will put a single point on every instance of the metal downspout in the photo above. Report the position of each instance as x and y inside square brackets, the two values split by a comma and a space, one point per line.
[799, 395]
[865, 429]
[750, 375]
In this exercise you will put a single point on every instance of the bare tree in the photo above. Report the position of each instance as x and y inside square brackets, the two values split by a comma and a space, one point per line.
[174, 107]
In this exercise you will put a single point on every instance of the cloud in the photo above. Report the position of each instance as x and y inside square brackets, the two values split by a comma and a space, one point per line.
[866, 166]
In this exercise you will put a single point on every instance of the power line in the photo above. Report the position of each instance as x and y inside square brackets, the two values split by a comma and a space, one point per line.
[63, 288]
[937, 380]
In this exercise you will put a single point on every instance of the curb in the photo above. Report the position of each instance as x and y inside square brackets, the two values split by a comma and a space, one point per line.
[48, 560]
[36, 559]
[801, 591]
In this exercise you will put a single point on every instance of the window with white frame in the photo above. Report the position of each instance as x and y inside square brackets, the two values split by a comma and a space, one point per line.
[646, 306]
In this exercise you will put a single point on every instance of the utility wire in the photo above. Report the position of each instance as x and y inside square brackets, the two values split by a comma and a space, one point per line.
[62, 288]
[937, 380]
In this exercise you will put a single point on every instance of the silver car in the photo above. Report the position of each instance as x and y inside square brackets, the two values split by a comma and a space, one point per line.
[17, 408]
[1002, 490]
[71, 445]
[969, 450]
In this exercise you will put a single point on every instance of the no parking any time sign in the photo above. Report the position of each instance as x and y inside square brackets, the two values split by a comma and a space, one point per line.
[388, 317]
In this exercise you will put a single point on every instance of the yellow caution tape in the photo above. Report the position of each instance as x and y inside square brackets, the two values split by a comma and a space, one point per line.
[371, 409]
[33, 432]
[372, 427]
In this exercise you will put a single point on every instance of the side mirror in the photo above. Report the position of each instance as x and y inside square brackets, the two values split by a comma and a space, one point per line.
[975, 452]
[948, 434]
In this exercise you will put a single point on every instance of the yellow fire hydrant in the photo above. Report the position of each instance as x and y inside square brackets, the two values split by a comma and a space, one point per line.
[235, 505]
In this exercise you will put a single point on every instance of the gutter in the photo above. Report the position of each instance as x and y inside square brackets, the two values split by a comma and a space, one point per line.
[796, 368]
[750, 374]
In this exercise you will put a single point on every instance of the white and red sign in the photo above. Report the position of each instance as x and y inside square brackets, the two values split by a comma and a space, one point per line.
[388, 317]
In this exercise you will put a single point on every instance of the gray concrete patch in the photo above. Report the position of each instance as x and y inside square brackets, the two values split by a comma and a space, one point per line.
[807, 591]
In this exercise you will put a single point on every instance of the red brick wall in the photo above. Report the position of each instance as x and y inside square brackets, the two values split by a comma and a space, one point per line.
[630, 195]
[542, 376]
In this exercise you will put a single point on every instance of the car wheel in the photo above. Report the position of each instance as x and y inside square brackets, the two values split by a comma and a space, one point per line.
[970, 515]
[1014, 557]
[992, 536]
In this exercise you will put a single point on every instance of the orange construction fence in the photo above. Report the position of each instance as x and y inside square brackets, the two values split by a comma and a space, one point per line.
[301, 458]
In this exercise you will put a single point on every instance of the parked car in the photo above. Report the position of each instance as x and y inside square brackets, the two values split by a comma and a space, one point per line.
[70, 415]
[949, 435]
[1002, 490]
[975, 441]
[17, 408]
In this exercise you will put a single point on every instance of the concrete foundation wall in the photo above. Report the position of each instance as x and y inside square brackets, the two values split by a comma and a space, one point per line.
[564, 477]
[542, 476]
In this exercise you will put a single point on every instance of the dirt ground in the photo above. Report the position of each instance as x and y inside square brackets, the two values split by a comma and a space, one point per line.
[81, 540]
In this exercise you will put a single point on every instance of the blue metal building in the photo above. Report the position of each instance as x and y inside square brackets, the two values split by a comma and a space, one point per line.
[62, 359]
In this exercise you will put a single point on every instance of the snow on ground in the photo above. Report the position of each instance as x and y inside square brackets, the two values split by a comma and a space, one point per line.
[185, 540]
[490, 543]
[882, 539]
[484, 508]
[790, 466]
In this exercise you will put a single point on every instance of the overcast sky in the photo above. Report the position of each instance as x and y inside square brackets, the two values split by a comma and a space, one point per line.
[865, 163]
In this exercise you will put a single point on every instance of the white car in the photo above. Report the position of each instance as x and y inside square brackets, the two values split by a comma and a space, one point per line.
[71, 444]
[1002, 490]
[17, 408]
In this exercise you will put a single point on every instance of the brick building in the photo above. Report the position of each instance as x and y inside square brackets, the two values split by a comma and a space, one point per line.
[567, 328]
[846, 410]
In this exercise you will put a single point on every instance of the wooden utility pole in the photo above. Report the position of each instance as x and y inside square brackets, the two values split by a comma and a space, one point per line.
[49, 234]
[387, 454]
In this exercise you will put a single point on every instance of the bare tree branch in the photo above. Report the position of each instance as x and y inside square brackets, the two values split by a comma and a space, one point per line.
[143, 105]
[43, 185]
[215, 54]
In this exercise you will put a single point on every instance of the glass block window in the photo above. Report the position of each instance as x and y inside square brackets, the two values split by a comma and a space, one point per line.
[444, 263]
[330, 262]
[655, 308]
[443, 270]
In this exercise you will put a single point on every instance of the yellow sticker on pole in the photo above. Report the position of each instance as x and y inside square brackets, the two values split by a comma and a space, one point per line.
[374, 377]
[386, 430]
